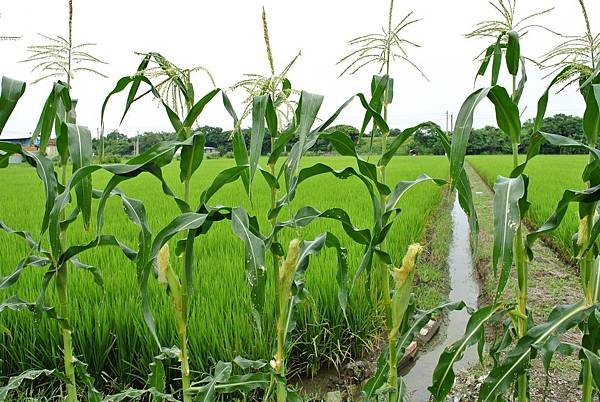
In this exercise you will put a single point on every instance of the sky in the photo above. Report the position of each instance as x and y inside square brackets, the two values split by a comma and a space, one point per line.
[226, 37]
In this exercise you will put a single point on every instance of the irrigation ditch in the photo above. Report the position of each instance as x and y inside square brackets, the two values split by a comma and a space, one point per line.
[449, 248]
[470, 278]
[552, 280]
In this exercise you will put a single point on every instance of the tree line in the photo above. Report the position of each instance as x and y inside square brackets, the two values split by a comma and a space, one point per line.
[483, 140]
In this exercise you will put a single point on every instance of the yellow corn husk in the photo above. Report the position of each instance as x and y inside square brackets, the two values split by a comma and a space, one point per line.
[163, 264]
[402, 286]
[408, 264]
[288, 269]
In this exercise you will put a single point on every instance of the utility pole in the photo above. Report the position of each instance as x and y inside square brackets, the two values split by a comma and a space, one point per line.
[447, 117]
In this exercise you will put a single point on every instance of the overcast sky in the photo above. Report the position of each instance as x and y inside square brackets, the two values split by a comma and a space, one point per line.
[226, 37]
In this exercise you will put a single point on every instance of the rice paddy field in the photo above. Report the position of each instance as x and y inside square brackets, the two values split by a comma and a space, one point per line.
[549, 176]
[110, 333]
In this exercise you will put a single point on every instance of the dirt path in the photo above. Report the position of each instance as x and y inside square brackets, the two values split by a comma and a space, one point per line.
[551, 282]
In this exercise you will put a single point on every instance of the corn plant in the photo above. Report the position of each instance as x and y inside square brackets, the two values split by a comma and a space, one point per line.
[288, 268]
[576, 58]
[277, 85]
[510, 207]
[74, 143]
[401, 318]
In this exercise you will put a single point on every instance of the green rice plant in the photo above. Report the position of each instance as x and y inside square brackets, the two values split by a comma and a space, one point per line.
[74, 143]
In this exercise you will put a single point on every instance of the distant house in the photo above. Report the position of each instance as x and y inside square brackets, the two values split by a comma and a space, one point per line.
[24, 139]
[207, 151]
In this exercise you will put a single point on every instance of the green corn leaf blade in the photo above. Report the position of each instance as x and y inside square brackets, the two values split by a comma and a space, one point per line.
[135, 81]
[346, 147]
[25, 235]
[269, 178]
[489, 51]
[244, 383]
[591, 78]
[462, 185]
[561, 319]
[157, 377]
[182, 223]
[588, 195]
[80, 149]
[335, 115]
[45, 171]
[591, 116]
[43, 130]
[96, 273]
[403, 186]
[259, 108]
[542, 104]
[443, 374]
[379, 379]
[254, 256]
[245, 364]
[16, 381]
[102, 240]
[507, 113]
[462, 131]
[191, 157]
[496, 62]
[198, 107]
[12, 90]
[136, 394]
[135, 86]
[229, 107]
[513, 52]
[29, 261]
[271, 118]
[419, 321]
[207, 392]
[280, 143]
[521, 86]
[224, 177]
[398, 141]
[507, 219]
[308, 108]
[341, 275]
[307, 215]
[378, 87]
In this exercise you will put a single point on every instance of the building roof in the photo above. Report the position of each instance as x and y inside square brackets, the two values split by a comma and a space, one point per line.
[14, 135]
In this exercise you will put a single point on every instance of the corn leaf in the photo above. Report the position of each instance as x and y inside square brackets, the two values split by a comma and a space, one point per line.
[12, 90]
[507, 219]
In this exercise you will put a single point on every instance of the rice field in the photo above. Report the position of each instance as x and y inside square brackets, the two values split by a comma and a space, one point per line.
[110, 333]
[549, 176]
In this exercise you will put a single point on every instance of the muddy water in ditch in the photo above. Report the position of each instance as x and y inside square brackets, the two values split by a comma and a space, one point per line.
[464, 287]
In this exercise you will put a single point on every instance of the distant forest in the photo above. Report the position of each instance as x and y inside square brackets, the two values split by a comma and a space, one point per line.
[486, 140]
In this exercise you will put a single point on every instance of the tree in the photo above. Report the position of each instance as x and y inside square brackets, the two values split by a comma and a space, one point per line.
[562, 124]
